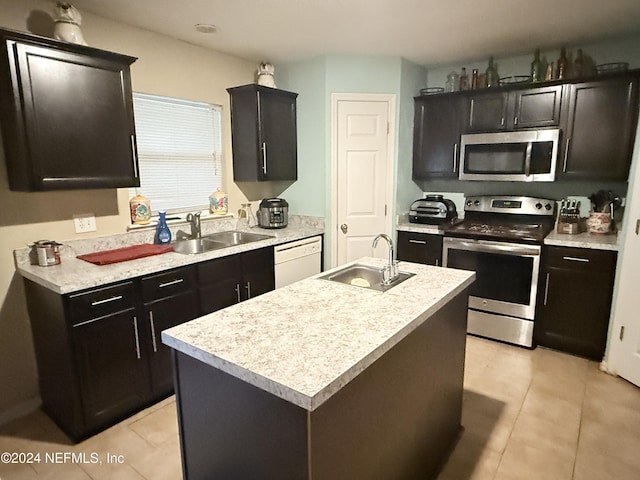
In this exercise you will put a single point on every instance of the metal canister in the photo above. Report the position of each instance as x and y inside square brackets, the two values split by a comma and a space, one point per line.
[48, 252]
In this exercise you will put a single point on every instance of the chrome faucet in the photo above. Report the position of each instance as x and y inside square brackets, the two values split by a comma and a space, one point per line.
[390, 272]
[194, 221]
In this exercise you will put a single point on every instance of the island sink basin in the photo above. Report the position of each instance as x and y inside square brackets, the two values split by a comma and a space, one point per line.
[216, 241]
[365, 276]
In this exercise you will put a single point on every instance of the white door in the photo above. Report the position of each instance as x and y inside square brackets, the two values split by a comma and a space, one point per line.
[363, 174]
[624, 345]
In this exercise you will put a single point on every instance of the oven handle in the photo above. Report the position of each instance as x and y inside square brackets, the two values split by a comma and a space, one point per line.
[491, 247]
[527, 160]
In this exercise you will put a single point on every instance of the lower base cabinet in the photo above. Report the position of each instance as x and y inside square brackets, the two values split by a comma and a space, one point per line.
[100, 354]
[420, 248]
[574, 300]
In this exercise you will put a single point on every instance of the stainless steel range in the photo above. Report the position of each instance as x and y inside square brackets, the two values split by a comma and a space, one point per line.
[501, 239]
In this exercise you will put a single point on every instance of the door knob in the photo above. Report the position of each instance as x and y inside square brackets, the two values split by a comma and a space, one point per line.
[344, 228]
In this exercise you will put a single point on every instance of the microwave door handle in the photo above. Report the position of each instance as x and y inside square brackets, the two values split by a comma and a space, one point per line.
[527, 159]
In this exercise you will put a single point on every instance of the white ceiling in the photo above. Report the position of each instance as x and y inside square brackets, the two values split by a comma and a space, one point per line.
[427, 32]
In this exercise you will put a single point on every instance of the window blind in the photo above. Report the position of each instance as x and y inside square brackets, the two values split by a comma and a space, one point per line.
[179, 152]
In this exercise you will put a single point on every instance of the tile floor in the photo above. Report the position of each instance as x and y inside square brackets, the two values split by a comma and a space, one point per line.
[527, 414]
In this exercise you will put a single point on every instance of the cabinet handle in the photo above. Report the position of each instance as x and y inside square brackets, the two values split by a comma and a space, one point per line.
[248, 287]
[238, 291]
[421, 242]
[153, 332]
[172, 282]
[546, 290]
[134, 154]
[471, 113]
[455, 157]
[264, 157]
[576, 259]
[135, 330]
[566, 155]
[106, 300]
[437, 262]
[515, 120]
[502, 122]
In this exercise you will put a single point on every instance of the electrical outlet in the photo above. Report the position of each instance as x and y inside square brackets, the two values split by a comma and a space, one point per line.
[85, 223]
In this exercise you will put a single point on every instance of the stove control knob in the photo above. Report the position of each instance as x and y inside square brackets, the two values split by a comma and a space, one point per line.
[477, 203]
[538, 205]
[469, 203]
[548, 206]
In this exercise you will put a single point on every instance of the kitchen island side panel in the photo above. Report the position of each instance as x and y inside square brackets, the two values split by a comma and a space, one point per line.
[401, 417]
[397, 419]
[230, 429]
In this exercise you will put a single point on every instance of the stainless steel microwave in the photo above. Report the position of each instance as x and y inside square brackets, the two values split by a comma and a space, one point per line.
[522, 156]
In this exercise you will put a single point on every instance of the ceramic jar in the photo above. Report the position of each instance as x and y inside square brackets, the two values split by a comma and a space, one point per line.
[599, 222]
[218, 203]
[140, 208]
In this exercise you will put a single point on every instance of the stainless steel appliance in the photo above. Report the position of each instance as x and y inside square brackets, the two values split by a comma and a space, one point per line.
[273, 213]
[433, 209]
[522, 156]
[501, 239]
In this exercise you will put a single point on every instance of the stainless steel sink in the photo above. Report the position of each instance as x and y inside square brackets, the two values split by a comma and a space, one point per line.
[197, 245]
[236, 237]
[216, 241]
[365, 276]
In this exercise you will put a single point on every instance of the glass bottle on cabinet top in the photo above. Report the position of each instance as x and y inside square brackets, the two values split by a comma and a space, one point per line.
[562, 65]
[492, 78]
[536, 67]
[453, 82]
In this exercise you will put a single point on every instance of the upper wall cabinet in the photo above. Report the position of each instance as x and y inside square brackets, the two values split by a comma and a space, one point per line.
[599, 126]
[263, 128]
[488, 110]
[66, 115]
[436, 137]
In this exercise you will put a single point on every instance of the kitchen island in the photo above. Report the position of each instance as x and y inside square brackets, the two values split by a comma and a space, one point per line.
[324, 380]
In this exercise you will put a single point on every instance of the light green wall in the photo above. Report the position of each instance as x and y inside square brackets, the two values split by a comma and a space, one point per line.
[315, 81]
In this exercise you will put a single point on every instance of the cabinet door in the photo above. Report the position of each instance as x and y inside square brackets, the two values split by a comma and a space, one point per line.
[163, 314]
[600, 130]
[487, 111]
[113, 371]
[537, 107]
[278, 139]
[420, 248]
[574, 305]
[220, 283]
[258, 272]
[436, 137]
[73, 125]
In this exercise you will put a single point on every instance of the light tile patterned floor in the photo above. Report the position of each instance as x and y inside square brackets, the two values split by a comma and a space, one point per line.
[527, 414]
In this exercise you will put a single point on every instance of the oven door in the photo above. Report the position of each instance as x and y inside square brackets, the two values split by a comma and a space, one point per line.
[506, 274]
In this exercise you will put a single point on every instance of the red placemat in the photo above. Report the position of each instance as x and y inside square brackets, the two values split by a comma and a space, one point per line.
[125, 253]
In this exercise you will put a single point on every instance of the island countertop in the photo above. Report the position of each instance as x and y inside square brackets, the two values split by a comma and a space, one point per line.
[305, 341]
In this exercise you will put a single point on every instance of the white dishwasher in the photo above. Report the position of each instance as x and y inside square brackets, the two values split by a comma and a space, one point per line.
[297, 260]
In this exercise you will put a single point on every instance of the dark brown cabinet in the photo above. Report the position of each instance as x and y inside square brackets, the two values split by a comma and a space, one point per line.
[100, 354]
[488, 111]
[66, 115]
[170, 298]
[420, 247]
[436, 137]
[263, 128]
[229, 280]
[599, 129]
[574, 303]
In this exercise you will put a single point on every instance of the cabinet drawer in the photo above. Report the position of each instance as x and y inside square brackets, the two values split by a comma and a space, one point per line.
[169, 283]
[579, 258]
[420, 247]
[101, 301]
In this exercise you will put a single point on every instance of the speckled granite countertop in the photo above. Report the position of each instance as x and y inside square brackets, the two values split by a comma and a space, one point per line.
[305, 341]
[405, 225]
[73, 274]
[583, 240]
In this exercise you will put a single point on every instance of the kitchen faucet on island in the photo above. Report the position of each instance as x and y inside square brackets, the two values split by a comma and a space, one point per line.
[390, 272]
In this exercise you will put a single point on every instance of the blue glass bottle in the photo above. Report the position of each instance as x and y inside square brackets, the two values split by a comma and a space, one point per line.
[163, 234]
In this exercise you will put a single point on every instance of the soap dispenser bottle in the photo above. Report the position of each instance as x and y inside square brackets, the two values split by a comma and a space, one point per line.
[163, 234]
